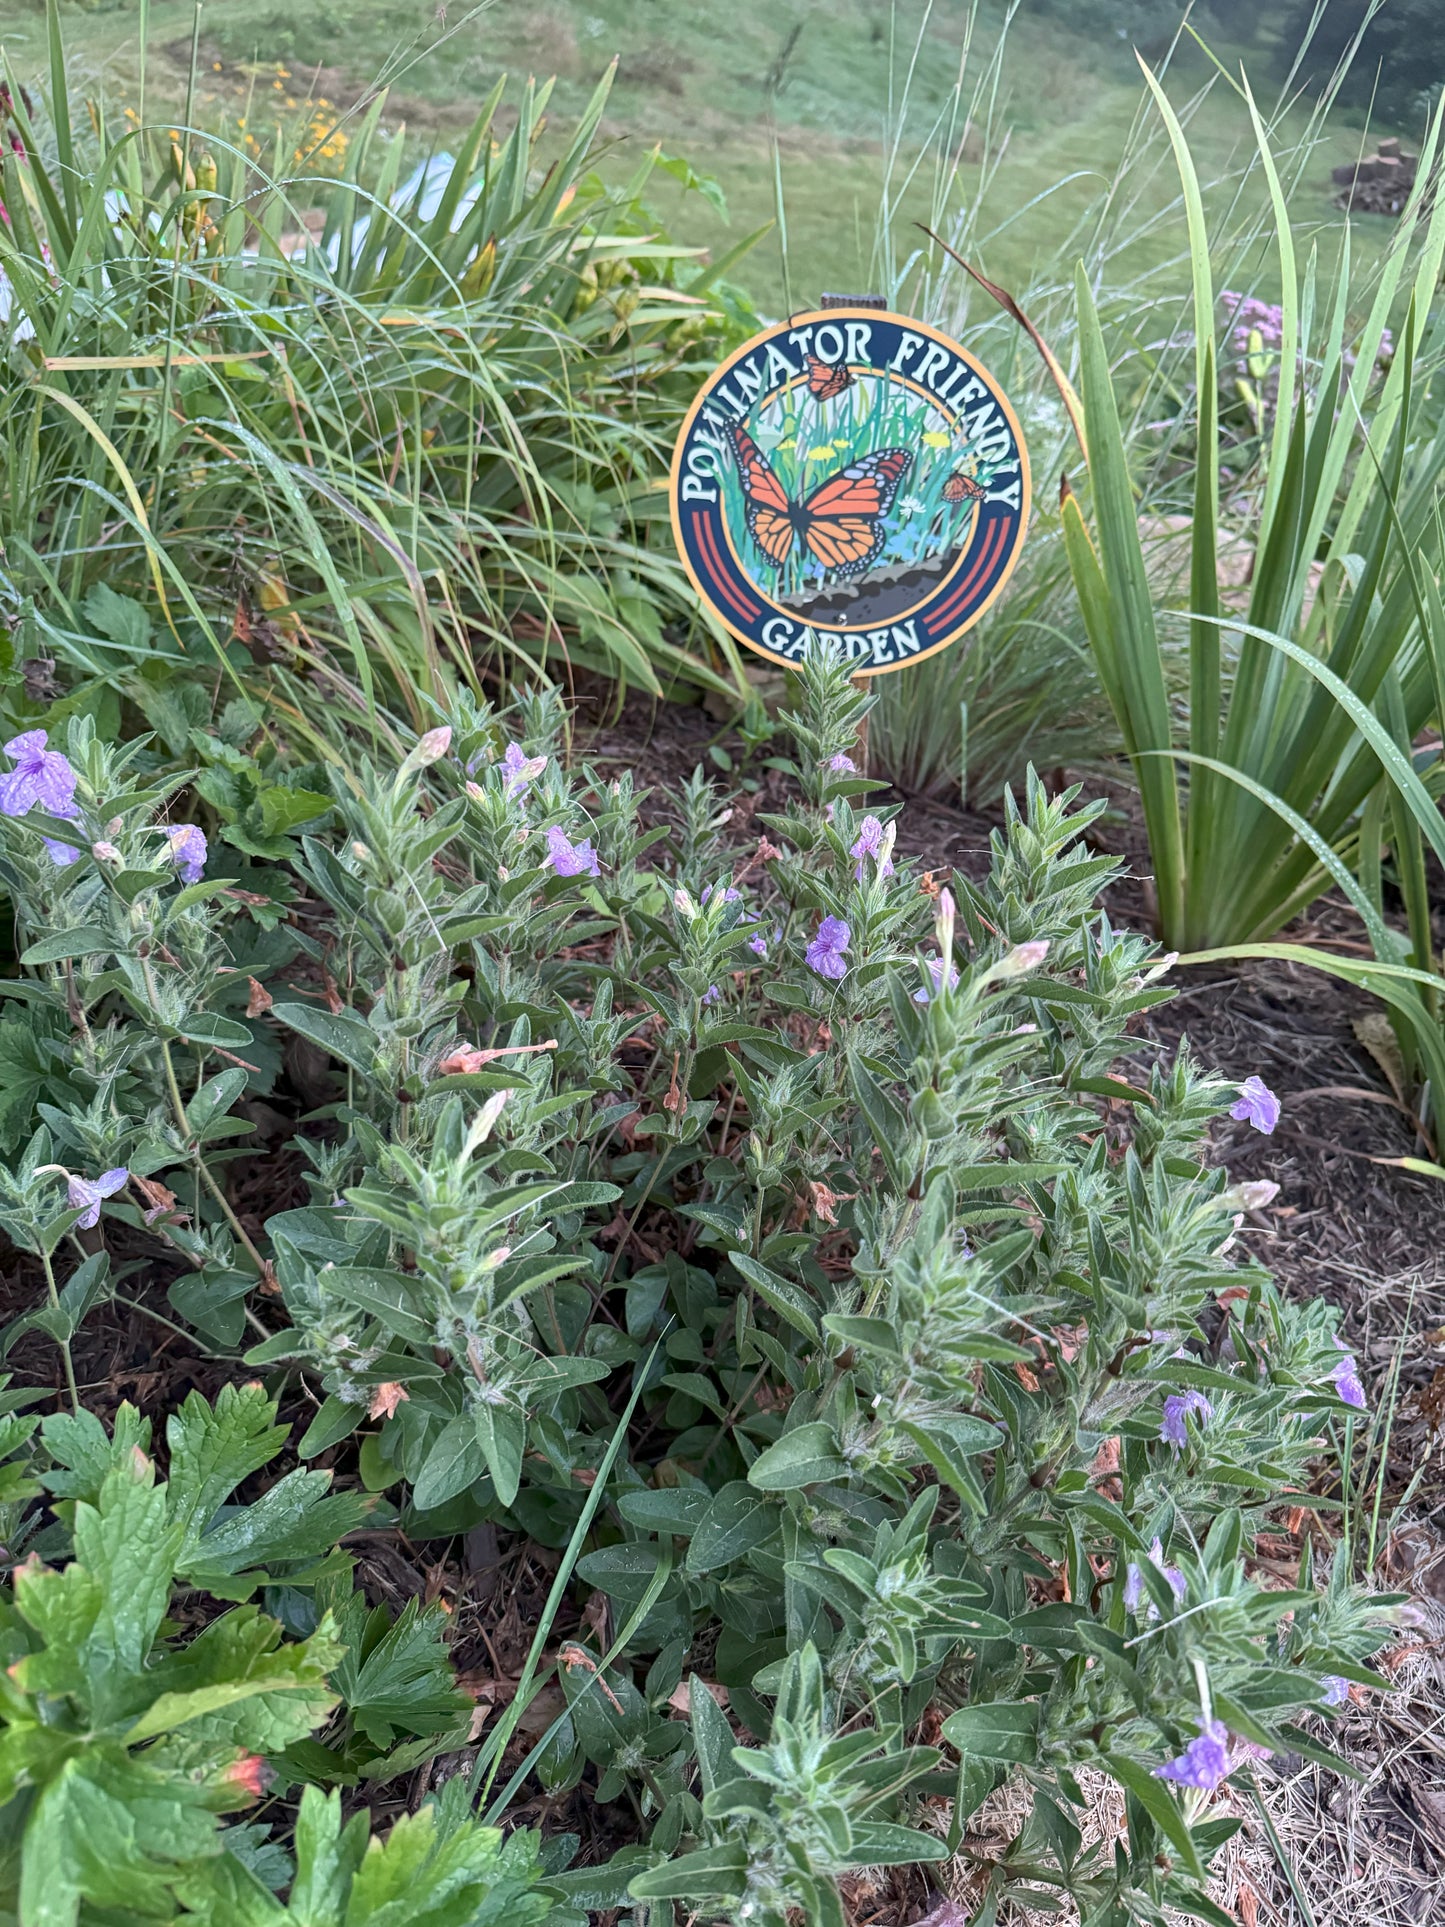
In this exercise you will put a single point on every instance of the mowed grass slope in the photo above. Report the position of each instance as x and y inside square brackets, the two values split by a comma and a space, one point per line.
[754, 91]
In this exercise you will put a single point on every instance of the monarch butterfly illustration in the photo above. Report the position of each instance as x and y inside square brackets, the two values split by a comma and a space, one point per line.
[960, 488]
[840, 522]
[828, 379]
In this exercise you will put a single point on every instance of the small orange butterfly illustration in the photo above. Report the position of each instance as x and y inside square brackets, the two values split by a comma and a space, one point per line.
[960, 487]
[828, 379]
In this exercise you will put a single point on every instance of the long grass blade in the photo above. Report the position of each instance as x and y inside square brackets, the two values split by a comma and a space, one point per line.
[1136, 652]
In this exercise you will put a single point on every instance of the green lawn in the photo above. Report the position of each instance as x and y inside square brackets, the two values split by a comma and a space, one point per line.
[733, 84]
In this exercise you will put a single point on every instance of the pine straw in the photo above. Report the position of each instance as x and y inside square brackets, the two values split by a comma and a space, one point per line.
[1372, 1853]
[1244, 1870]
[1366, 1853]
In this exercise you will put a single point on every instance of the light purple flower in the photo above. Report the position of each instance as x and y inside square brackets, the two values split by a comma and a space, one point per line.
[40, 776]
[1134, 1580]
[1178, 1407]
[728, 896]
[842, 764]
[1247, 316]
[81, 1192]
[825, 953]
[60, 854]
[758, 946]
[711, 995]
[925, 995]
[188, 850]
[1337, 1690]
[1346, 1379]
[1257, 1105]
[570, 859]
[870, 843]
[1204, 1762]
[520, 768]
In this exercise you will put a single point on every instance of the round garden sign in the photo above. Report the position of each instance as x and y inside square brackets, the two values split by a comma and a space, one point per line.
[850, 473]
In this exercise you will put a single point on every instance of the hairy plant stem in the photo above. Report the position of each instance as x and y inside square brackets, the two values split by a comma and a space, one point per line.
[178, 1104]
[631, 1225]
[64, 1343]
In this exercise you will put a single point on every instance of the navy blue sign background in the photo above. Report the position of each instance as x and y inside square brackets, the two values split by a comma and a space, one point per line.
[855, 474]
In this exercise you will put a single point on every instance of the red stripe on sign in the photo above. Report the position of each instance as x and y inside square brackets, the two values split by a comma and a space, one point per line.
[993, 546]
[726, 587]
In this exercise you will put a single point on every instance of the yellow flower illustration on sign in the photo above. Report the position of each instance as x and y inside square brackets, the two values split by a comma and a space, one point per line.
[935, 438]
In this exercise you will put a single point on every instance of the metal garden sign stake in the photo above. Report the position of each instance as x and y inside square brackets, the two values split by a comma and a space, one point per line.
[850, 473]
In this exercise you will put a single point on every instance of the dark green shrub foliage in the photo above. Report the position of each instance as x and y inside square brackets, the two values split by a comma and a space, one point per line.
[1401, 53]
[773, 1238]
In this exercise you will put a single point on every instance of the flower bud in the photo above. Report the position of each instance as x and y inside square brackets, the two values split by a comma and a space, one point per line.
[106, 853]
[433, 746]
[1253, 1196]
[1023, 958]
[249, 1775]
[488, 1115]
[943, 923]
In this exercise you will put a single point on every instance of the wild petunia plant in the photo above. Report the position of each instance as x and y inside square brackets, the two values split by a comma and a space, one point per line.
[776, 1236]
[134, 1033]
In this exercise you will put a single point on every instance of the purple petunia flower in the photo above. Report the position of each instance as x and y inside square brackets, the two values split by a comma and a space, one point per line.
[825, 953]
[40, 776]
[570, 859]
[1346, 1378]
[1257, 1105]
[60, 854]
[842, 764]
[1178, 1407]
[925, 995]
[1134, 1580]
[870, 843]
[520, 768]
[188, 850]
[1204, 1762]
[82, 1192]
[758, 946]
[711, 995]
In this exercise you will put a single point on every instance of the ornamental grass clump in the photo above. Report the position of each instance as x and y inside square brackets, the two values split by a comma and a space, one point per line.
[768, 1232]
[352, 422]
[1310, 749]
